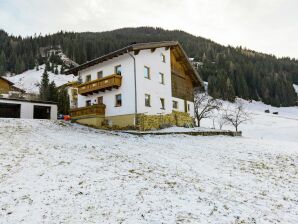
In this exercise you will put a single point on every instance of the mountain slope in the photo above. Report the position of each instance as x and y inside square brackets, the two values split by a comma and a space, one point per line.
[230, 71]
[30, 80]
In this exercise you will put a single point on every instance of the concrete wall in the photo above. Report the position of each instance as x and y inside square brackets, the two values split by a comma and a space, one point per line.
[27, 108]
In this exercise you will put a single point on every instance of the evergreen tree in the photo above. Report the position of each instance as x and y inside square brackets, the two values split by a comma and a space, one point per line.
[3, 66]
[63, 101]
[44, 86]
[52, 90]
[56, 70]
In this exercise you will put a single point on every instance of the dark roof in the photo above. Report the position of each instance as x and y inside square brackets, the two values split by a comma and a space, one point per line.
[30, 101]
[137, 47]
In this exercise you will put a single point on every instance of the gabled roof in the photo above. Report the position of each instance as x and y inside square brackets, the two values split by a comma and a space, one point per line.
[6, 80]
[136, 48]
[12, 84]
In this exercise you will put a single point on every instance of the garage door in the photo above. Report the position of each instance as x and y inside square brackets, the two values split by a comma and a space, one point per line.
[42, 112]
[8, 110]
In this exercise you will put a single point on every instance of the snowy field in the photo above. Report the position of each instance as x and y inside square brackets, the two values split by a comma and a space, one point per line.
[30, 80]
[52, 172]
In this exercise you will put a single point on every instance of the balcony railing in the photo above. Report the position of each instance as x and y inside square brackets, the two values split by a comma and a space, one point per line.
[100, 85]
[97, 109]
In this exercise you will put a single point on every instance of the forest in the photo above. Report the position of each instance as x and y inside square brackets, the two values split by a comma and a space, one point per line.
[230, 71]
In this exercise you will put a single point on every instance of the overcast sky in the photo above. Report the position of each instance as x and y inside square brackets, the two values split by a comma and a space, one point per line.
[269, 26]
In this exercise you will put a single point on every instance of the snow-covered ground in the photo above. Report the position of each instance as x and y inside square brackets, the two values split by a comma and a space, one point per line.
[283, 126]
[30, 80]
[52, 172]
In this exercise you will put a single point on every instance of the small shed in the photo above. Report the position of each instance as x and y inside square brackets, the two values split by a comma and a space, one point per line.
[27, 109]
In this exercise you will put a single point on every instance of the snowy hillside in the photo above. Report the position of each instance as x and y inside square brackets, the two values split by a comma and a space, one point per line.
[30, 80]
[53, 172]
[283, 126]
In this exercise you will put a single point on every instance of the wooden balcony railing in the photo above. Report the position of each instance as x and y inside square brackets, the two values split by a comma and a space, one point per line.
[102, 84]
[97, 109]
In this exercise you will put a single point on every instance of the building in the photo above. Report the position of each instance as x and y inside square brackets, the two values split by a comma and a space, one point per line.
[72, 92]
[27, 109]
[144, 85]
[7, 87]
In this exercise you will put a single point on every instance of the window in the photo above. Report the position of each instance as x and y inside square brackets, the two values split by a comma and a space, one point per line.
[161, 78]
[147, 100]
[88, 78]
[88, 103]
[118, 100]
[188, 107]
[100, 100]
[118, 69]
[146, 72]
[175, 104]
[163, 57]
[99, 74]
[162, 103]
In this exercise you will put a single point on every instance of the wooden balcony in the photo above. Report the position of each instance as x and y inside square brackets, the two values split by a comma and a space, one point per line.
[100, 85]
[97, 109]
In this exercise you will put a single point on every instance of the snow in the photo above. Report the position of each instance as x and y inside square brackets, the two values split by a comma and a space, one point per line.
[283, 126]
[30, 80]
[296, 88]
[56, 172]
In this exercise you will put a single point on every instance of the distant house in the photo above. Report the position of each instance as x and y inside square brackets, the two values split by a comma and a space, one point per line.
[27, 109]
[146, 86]
[7, 87]
[72, 91]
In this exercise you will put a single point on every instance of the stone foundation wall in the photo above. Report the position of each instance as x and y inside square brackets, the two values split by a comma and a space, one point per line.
[149, 122]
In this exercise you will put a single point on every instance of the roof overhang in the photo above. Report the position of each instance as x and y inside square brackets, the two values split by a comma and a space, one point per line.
[136, 48]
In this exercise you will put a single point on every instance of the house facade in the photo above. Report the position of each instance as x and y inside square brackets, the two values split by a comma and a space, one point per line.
[7, 87]
[142, 85]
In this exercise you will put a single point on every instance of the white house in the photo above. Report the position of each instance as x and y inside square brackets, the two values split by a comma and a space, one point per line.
[27, 109]
[144, 84]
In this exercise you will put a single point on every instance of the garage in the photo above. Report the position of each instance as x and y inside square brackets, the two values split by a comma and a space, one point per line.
[8, 110]
[27, 109]
[42, 112]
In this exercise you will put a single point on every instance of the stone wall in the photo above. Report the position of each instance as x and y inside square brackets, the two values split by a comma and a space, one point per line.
[149, 122]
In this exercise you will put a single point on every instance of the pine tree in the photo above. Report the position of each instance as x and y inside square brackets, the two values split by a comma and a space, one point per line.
[52, 92]
[3, 65]
[56, 70]
[62, 69]
[63, 101]
[44, 86]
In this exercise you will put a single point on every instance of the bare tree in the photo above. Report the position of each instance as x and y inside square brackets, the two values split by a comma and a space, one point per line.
[204, 106]
[236, 115]
[221, 121]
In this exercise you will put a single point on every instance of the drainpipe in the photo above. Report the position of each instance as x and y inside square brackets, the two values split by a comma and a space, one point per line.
[135, 85]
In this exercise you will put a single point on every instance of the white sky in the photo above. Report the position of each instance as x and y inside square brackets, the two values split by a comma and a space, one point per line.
[269, 26]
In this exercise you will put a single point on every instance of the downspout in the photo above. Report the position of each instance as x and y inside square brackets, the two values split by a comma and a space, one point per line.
[135, 86]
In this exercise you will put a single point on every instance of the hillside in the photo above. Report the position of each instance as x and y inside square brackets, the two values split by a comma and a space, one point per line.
[30, 80]
[230, 71]
[56, 172]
